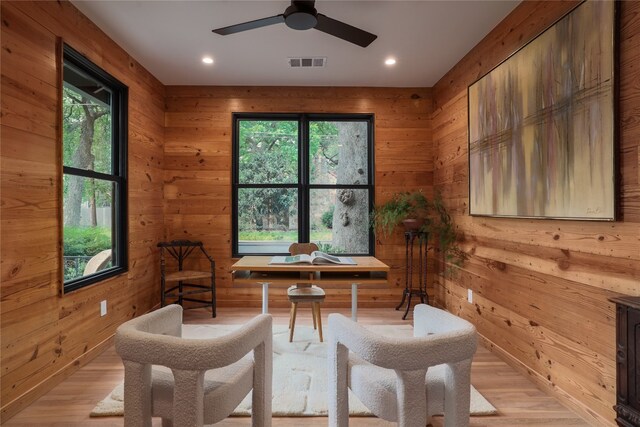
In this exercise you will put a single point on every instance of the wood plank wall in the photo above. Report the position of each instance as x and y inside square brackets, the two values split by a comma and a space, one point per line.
[45, 337]
[197, 189]
[541, 287]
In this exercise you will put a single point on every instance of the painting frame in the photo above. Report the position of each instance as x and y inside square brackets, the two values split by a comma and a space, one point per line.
[492, 149]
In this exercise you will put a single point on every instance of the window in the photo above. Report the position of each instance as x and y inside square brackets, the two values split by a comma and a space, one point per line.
[302, 178]
[94, 147]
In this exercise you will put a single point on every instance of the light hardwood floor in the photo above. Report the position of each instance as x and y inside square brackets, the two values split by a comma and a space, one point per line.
[518, 401]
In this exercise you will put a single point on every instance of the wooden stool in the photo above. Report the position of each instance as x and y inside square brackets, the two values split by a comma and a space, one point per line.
[306, 294]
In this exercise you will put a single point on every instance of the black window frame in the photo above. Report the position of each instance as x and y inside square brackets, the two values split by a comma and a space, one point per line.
[118, 175]
[304, 186]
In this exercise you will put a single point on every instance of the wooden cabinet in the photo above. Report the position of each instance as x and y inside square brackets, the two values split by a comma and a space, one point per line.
[628, 361]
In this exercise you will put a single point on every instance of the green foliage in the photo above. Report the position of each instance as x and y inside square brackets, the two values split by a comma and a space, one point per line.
[324, 235]
[287, 236]
[83, 242]
[268, 154]
[327, 218]
[437, 221]
[266, 209]
[323, 152]
[329, 248]
[74, 119]
[290, 236]
[402, 206]
[442, 226]
[86, 241]
[87, 145]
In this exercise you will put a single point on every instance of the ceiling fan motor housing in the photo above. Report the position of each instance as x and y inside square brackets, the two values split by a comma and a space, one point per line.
[301, 15]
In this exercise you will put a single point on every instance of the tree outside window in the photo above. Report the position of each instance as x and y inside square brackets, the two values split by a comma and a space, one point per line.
[93, 155]
[301, 178]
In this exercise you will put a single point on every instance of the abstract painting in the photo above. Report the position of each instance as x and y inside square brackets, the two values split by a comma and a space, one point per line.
[542, 124]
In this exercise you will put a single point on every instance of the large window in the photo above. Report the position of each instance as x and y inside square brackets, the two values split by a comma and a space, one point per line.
[94, 134]
[302, 178]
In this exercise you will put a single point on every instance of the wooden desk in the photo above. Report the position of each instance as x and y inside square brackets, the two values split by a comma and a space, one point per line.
[256, 270]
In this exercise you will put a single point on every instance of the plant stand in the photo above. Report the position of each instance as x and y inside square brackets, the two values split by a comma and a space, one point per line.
[409, 291]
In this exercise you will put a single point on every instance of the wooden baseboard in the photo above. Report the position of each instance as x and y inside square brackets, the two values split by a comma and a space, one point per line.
[18, 404]
[27, 398]
[541, 382]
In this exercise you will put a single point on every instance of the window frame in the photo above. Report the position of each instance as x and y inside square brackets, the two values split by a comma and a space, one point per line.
[303, 186]
[118, 175]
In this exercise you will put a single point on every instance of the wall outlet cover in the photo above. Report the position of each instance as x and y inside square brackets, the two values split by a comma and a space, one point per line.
[470, 296]
[103, 307]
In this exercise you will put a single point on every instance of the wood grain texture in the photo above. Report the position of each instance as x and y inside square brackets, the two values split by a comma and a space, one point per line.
[197, 176]
[541, 287]
[45, 336]
[518, 401]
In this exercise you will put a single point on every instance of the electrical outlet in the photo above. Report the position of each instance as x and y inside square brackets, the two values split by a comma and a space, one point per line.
[470, 296]
[103, 308]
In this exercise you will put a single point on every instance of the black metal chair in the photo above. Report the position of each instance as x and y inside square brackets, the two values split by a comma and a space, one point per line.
[180, 250]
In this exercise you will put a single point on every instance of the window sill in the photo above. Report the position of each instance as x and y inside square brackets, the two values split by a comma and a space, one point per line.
[83, 282]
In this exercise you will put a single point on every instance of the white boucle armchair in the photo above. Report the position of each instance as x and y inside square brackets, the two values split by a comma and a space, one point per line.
[403, 379]
[189, 382]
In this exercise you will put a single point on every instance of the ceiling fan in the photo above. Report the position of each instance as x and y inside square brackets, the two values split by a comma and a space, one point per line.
[302, 15]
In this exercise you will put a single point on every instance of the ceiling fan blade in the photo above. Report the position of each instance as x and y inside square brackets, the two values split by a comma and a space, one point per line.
[251, 25]
[344, 31]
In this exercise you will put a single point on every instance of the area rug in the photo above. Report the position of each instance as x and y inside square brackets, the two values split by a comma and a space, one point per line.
[299, 375]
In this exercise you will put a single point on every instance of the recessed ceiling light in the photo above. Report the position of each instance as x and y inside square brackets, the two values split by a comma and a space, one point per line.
[390, 61]
[207, 60]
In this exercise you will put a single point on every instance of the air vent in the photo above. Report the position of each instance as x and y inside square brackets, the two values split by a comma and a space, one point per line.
[317, 62]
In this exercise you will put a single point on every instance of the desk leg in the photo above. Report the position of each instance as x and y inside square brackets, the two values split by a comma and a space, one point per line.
[354, 302]
[265, 297]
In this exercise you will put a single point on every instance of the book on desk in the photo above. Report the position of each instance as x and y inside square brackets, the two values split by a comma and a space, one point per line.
[315, 258]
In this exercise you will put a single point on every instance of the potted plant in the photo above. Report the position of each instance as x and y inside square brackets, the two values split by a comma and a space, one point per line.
[416, 212]
[410, 209]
